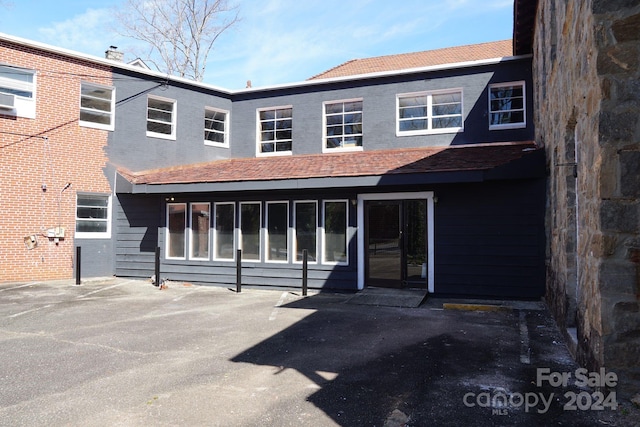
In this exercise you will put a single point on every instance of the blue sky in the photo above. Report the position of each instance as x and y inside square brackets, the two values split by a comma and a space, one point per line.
[279, 41]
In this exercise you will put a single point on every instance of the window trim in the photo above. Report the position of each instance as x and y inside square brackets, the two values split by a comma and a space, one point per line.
[266, 232]
[324, 232]
[235, 232]
[225, 143]
[294, 232]
[167, 240]
[429, 117]
[520, 125]
[97, 234]
[325, 149]
[111, 125]
[174, 114]
[24, 106]
[191, 233]
[259, 141]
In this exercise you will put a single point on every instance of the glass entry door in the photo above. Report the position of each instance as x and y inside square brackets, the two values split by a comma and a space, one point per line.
[396, 243]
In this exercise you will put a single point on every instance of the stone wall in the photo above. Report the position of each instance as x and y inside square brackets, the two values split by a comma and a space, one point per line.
[587, 98]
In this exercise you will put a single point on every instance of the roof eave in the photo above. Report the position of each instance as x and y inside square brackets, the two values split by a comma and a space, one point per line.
[316, 82]
[106, 62]
[530, 166]
[382, 74]
[316, 183]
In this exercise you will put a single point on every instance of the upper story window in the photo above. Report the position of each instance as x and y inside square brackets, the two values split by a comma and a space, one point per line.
[506, 106]
[216, 127]
[93, 216]
[17, 92]
[275, 130]
[429, 112]
[342, 125]
[161, 117]
[97, 104]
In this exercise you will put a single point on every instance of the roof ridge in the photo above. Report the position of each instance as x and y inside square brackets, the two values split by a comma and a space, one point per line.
[437, 49]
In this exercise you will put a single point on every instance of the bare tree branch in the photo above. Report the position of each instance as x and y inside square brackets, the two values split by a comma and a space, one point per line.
[179, 33]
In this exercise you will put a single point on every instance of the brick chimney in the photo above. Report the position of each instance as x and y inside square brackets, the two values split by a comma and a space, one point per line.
[113, 54]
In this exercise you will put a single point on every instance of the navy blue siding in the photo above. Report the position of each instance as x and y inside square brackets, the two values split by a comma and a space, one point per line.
[379, 109]
[130, 147]
[489, 242]
[137, 220]
[489, 239]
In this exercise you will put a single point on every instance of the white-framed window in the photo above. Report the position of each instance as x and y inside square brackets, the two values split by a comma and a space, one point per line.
[277, 220]
[216, 127]
[305, 227]
[93, 216]
[334, 232]
[342, 125]
[97, 106]
[17, 92]
[224, 231]
[250, 230]
[176, 236]
[275, 130]
[421, 113]
[507, 106]
[161, 117]
[199, 230]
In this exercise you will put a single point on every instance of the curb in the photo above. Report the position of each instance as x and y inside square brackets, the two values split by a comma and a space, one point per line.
[475, 307]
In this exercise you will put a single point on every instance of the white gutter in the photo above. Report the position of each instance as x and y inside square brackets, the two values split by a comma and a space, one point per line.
[315, 82]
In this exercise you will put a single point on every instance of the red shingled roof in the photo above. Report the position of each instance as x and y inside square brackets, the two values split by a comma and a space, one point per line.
[363, 163]
[449, 55]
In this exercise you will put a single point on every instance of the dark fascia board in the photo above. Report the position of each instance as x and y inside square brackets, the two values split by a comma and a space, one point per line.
[533, 165]
[308, 183]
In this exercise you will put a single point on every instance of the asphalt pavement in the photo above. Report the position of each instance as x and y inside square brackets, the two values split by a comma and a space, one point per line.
[120, 352]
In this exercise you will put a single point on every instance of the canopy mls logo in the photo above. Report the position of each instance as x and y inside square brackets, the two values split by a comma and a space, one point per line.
[500, 401]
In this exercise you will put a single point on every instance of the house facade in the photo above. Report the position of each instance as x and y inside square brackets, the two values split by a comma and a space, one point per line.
[394, 179]
[423, 176]
[585, 79]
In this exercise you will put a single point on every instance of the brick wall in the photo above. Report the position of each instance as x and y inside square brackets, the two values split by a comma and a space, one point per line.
[586, 69]
[51, 149]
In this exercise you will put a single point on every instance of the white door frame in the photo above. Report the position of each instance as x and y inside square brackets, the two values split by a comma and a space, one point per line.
[423, 195]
